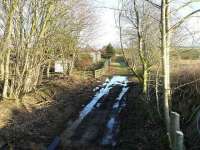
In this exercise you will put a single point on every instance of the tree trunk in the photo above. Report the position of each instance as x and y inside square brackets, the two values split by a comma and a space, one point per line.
[6, 77]
[6, 45]
[27, 82]
[145, 78]
[48, 69]
[11, 91]
[168, 44]
[141, 50]
[41, 75]
[36, 77]
[2, 70]
[165, 55]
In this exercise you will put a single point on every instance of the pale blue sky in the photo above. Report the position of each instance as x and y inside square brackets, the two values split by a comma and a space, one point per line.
[107, 32]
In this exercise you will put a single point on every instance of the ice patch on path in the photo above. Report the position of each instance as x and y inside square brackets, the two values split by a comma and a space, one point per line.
[113, 123]
[107, 86]
[100, 92]
[116, 80]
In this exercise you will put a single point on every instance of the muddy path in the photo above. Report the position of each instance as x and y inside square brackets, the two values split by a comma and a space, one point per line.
[45, 113]
[97, 125]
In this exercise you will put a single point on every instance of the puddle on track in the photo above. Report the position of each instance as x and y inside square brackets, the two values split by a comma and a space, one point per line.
[107, 86]
[103, 90]
[112, 125]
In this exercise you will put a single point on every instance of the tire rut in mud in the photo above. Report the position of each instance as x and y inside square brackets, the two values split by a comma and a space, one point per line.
[90, 131]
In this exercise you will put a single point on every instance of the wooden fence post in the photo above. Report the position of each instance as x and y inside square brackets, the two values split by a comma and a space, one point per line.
[176, 136]
[174, 126]
[179, 140]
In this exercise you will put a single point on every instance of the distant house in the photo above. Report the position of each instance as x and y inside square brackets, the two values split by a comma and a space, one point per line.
[61, 66]
[94, 54]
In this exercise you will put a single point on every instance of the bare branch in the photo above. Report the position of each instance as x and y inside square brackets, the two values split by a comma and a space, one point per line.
[154, 4]
[178, 24]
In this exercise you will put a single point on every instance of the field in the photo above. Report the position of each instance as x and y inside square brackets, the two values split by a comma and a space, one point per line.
[186, 98]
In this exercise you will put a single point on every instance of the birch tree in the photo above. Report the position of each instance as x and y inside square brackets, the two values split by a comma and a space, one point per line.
[167, 26]
[166, 31]
[140, 31]
[37, 32]
[9, 11]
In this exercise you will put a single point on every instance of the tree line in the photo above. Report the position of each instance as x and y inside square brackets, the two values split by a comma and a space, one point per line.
[33, 33]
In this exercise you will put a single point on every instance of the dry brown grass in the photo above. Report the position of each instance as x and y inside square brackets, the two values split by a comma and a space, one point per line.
[44, 113]
[186, 98]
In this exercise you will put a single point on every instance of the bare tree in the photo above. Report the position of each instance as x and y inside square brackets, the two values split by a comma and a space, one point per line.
[166, 31]
[9, 11]
[136, 16]
[36, 33]
[141, 25]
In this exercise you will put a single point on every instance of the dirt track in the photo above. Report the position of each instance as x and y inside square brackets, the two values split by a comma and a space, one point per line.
[93, 130]
[44, 113]
[79, 119]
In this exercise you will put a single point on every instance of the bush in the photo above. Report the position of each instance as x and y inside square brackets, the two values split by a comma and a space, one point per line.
[84, 62]
[109, 52]
[97, 65]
